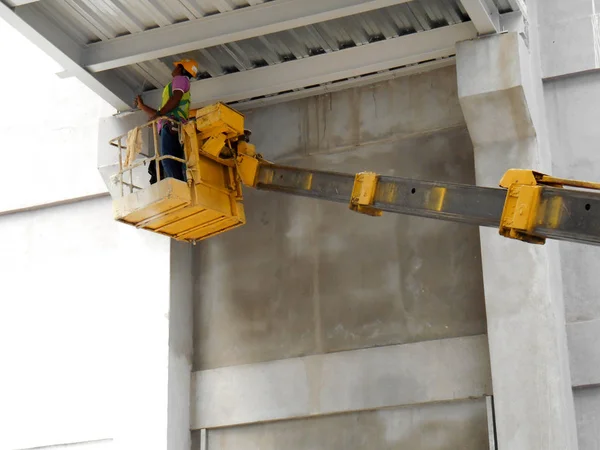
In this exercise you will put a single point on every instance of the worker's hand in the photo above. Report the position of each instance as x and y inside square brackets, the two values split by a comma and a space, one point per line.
[138, 101]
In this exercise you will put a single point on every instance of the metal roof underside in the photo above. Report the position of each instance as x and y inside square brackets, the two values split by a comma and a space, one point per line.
[128, 46]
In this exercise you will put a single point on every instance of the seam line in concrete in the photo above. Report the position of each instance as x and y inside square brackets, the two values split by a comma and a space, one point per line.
[53, 204]
[69, 444]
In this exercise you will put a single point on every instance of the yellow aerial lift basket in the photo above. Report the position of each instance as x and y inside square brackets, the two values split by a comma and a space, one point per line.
[209, 203]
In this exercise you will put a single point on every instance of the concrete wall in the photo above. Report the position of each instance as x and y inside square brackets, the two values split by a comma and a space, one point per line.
[77, 321]
[572, 103]
[78, 316]
[571, 40]
[436, 427]
[305, 277]
[101, 444]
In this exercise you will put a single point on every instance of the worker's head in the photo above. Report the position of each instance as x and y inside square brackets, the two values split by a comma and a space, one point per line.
[185, 67]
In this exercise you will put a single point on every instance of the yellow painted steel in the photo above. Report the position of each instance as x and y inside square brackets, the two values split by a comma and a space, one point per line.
[163, 198]
[218, 119]
[247, 167]
[436, 198]
[211, 201]
[363, 193]
[523, 203]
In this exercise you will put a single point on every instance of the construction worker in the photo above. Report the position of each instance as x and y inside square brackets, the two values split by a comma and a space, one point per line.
[175, 105]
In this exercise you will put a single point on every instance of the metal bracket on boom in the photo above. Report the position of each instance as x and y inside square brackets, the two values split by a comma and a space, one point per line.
[363, 194]
[525, 209]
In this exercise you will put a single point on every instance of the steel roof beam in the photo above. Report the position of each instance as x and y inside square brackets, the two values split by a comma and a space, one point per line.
[518, 5]
[218, 29]
[66, 52]
[340, 65]
[14, 3]
[485, 18]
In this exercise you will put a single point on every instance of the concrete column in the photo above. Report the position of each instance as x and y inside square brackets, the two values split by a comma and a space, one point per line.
[525, 313]
[165, 405]
[180, 347]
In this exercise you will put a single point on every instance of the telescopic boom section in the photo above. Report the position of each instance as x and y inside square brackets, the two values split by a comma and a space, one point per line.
[530, 206]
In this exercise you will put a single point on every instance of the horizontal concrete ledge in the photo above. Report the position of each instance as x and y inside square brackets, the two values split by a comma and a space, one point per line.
[87, 445]
[382, 377]
[571, 75]
[69, 201]
[584, 352]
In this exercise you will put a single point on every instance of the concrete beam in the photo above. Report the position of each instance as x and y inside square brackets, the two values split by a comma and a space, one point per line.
[533, 394]
[519, 5]
[350, 83]
[58, 45]
[352, 62]
[244, 23]
[15, 3]
[434, 371]
[485, 18]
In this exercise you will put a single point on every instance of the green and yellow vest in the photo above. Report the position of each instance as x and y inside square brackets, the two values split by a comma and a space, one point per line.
[182, 111]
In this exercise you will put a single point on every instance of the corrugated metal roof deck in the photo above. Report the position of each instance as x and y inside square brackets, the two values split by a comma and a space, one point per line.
[100, 20]
[306, 41]
[89, 21]
[249, 49]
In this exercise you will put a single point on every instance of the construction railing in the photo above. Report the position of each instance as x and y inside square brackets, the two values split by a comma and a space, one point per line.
[129, 150]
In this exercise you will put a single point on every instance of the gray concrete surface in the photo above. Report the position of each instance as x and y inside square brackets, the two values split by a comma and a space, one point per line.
[305, 277]
[383, 377]
[375, 378]
[525, 313]
[77, 343]
[572, 105]
[391, 110]
[574, 142]
[572, 116]
[456, 425]
[587, 402]
[569, 37]
[180, 346]
[584, 352]
[100, 444]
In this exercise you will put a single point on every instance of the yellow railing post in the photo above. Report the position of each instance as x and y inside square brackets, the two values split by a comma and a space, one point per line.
[120, 166]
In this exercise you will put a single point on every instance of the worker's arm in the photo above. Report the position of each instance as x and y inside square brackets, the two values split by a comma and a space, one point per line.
[140, 104]
[167, 108]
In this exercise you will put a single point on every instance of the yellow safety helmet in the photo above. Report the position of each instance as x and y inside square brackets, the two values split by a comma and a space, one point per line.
[190, 65]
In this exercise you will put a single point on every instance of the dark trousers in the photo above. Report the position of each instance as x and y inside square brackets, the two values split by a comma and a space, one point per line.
[169, 145]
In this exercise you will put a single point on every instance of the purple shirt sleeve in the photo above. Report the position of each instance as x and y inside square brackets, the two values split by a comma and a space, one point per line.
[181, 83]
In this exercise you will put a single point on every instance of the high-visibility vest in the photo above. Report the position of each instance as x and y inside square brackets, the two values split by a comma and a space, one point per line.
[182, 111]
